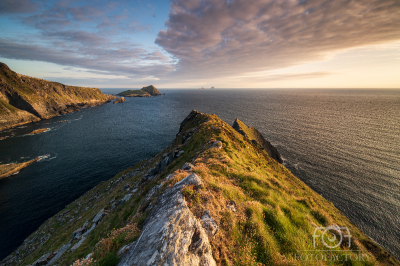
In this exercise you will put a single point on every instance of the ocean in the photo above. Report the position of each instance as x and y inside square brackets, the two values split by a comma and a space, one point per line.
[344, 144]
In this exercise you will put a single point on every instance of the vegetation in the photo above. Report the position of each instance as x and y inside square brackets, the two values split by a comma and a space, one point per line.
[134, 93]
[266, 216]
[144, 92]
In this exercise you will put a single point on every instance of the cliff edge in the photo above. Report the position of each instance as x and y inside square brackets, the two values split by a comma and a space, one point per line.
[256, 137]
[213, 197]
[26, 99]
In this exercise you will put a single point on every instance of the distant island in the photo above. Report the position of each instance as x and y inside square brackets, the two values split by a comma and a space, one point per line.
[25, 99]
[148, 91]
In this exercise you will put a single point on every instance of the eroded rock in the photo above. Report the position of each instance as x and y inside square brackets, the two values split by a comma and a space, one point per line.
[171, 233]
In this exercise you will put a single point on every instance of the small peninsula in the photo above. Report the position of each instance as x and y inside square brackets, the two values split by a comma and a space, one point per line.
[13, 168]
[148, 91]
[213, 197]
[25, 99]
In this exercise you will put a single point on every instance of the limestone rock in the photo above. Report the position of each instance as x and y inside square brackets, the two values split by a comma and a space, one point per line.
[171, 233]
[209, 224]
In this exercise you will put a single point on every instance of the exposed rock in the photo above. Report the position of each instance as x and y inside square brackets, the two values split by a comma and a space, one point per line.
[124, 199]
[59, 253]
[257, 138]
[217, 144]
[209, 224]
[125, 248]
[166, 160]
[231, 206]
[171, 233]
[12, 168]
[25, 99]
[188, 167]
[43, 259]
[99, 216]
[119, 100]
[38, 131]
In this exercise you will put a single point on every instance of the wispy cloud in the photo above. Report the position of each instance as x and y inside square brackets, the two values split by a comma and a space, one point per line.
[84, 34]
[221, 38]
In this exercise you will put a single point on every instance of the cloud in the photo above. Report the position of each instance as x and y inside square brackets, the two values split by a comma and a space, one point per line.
[17, 6]
[85, 34]
[123, 61]
[213, 38]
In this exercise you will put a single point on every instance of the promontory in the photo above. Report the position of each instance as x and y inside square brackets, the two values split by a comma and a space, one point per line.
[148, 91]
[213, 197]
[25, 99]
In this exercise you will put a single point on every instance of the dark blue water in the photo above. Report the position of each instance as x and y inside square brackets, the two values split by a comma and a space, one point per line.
[343, 144]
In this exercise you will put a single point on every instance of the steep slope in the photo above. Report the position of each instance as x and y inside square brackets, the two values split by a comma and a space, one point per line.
[25, 99]
[214, 197]
[255, 136]
[151, 90]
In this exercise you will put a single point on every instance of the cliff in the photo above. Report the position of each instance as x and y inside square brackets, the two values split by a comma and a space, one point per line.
[148, 91]
[25, 99]
[255, 136]
[213, 197]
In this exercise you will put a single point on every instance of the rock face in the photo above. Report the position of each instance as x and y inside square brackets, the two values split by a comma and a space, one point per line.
[171, 234]
[25, 99]
[119, 100]
[255, 136]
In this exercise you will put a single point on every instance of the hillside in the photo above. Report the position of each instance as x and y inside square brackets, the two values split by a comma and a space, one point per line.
[151, 90]
[134, 93]
[255, 136]
[148, 91]
[25, 99]
[213, 197]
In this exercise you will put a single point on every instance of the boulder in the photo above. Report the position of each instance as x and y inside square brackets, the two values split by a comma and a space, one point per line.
[188, 167]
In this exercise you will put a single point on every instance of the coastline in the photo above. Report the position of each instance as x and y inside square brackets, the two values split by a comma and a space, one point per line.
[196, 138]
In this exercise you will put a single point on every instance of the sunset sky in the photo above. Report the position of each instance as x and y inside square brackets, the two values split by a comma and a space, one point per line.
[204, 43]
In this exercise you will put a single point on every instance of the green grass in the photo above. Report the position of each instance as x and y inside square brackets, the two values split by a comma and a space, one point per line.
[276, 212]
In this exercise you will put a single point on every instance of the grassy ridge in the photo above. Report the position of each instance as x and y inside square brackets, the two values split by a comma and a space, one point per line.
[266, 216]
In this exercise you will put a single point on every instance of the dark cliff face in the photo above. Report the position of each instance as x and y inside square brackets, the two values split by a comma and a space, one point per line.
[25, 99]
[257, 138]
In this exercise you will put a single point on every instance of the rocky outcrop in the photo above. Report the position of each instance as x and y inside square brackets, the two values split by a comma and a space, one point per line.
[119, 100]
[257, 138]
[151, 90]
[13, 168]
[148, 91]
[171, 234]
[25, 99]
[38, 131]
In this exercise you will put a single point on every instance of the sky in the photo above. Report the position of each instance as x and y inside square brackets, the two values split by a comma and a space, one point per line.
[204, 43]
